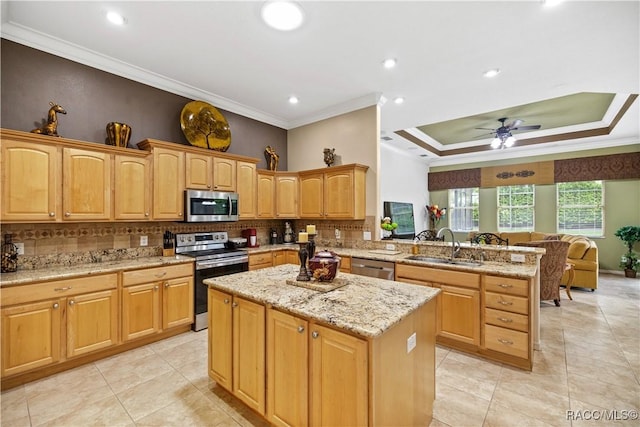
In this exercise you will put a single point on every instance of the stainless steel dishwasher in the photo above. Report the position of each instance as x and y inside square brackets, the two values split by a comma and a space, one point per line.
[373, 268]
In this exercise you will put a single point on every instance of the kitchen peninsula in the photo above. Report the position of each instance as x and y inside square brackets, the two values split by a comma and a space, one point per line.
[361, 354]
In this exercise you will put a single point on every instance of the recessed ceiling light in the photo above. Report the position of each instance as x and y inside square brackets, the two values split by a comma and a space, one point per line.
[115, 18]
[282, 15]
[399, 100]
[293, 99]
[389, 63]
[551, 3]
[492, 73]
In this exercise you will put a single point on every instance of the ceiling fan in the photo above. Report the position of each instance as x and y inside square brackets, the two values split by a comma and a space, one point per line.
[503, 137]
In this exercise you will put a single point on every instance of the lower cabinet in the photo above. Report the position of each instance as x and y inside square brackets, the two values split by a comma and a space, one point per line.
[261, 260]
[155, 299]
[33, 321]
[237, 360]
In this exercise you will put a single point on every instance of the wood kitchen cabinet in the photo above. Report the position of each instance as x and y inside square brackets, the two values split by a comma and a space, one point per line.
[279, 258]
[31, 178]
[34, 316]
[156, 299]
[337, 192]
[224, 174]
[266, 195]
[86, 187]
[292, 256]
[247, 185]
[237, 361]
[458, 305]
[168, 181]
[198, 171]
[132, 188]
[287, 186]
[261, 260]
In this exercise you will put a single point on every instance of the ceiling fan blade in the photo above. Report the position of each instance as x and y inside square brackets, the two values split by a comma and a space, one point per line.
[486, 129]
[514, 124]
[531, 127]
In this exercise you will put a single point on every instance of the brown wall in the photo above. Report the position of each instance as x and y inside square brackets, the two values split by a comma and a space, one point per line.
[93, 98]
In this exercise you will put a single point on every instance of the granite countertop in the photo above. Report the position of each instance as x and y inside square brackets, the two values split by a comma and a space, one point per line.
[21, 277]
[522, 271]
[364, 306]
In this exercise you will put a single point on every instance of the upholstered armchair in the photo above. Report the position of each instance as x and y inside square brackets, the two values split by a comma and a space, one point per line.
[552, 266]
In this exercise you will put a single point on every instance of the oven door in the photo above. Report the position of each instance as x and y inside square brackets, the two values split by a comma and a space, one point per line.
[204, 270]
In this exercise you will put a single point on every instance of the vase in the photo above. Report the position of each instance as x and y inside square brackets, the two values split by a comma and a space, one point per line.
[386, 234]
[629, 272]
[118, 134]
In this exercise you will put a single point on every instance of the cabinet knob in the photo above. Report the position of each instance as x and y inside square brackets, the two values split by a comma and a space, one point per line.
[67, 214]
[179, 213]
[226, 300]
[235, 304]
[301, 329]
[166, 284]
[56, 305]
[155, 288]
[71, 302]
[52, 214]
[146, 214]
[315, 334]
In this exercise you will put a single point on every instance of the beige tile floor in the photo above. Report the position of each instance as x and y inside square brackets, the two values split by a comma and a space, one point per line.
[590, 361]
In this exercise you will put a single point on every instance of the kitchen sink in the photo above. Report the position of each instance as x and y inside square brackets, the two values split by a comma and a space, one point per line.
[444, 261]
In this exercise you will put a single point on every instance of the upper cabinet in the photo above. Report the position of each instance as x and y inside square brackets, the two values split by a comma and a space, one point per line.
[132, 188]
[86, 189]
[199, 171]
[266, 197]
[224, 174]
[336, 192]
[168, 181]
[246, 183]
[287, 185]
[31, 176]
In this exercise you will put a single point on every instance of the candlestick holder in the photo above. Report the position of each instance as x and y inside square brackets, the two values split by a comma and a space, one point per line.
[311, 250]
[303, 275]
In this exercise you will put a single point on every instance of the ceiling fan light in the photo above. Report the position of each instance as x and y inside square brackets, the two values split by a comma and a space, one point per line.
[495, 143]
[491, 73]
[509, 141]
[282, 15]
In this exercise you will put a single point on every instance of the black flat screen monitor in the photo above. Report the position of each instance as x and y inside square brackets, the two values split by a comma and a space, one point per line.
[402, 214]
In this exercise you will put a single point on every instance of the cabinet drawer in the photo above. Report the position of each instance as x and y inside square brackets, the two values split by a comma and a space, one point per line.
[56, 289]
[506, 285]
[147, 275]
[433, 275]
[507, 341]
[260, 259]
[345, 264]
[506, 302]
[506, 319]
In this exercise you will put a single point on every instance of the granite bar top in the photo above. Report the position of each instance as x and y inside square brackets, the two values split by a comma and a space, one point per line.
[22, 277]
[365, 306]
[518, 270]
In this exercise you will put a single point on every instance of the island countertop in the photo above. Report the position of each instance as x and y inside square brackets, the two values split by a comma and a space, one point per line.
[365, 306]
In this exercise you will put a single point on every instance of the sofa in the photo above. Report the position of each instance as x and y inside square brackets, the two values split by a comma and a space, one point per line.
[583, 254]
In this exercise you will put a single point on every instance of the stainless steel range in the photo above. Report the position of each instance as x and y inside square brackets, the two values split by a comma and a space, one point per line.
[213, 259]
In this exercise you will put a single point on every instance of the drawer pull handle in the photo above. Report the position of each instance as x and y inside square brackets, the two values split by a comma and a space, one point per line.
[66, 288]
[504, 341]
[505, 320]
[505, 285]
[301, 329]
[505, 302]
[164, 273]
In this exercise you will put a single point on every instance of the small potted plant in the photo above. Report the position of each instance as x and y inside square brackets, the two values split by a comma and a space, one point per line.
[387, 227]
[630, 235]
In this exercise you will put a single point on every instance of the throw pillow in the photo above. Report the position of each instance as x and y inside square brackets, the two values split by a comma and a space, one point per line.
[578, 248]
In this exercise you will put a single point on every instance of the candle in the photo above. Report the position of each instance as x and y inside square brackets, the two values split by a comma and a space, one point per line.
[303, 237]
[311, 229]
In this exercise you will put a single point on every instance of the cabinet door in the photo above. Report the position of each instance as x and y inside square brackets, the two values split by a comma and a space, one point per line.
[31, 177]
[279, 258]
[312, 196]
[292, 257]
[92, 322]
[287, 370]
[224, 174]
[459, 314]
[246, 184]
[266, 195]
[168, 184]
[132, 188]
[199, 171]
[338, 378]
[248, 353]
[177, 302]
[220, 335]
[286, 196]
[140, 311]
[30, 336]
[338, 195]
[86, 189]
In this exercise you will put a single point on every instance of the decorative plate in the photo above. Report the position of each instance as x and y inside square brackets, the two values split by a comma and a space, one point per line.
[204, 126]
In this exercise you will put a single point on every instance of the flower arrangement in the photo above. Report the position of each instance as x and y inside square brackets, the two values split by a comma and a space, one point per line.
[436, 214]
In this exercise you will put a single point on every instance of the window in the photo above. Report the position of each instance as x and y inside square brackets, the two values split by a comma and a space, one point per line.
[581, 208]
[463, 209]
[516, 208]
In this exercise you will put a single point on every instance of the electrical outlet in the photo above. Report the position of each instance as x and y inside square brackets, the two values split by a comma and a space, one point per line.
[411, 342]
[390, 247]
[144, 240]
[366, 235]
[20, 248]
[337, 231]
[517, 257]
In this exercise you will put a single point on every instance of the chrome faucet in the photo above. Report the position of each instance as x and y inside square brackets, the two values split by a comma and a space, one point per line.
[455, 245]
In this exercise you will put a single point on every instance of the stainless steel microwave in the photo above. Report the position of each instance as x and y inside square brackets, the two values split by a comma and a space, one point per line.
[210, 206]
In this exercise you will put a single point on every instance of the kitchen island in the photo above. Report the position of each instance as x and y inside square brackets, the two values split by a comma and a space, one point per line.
[361, 354]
